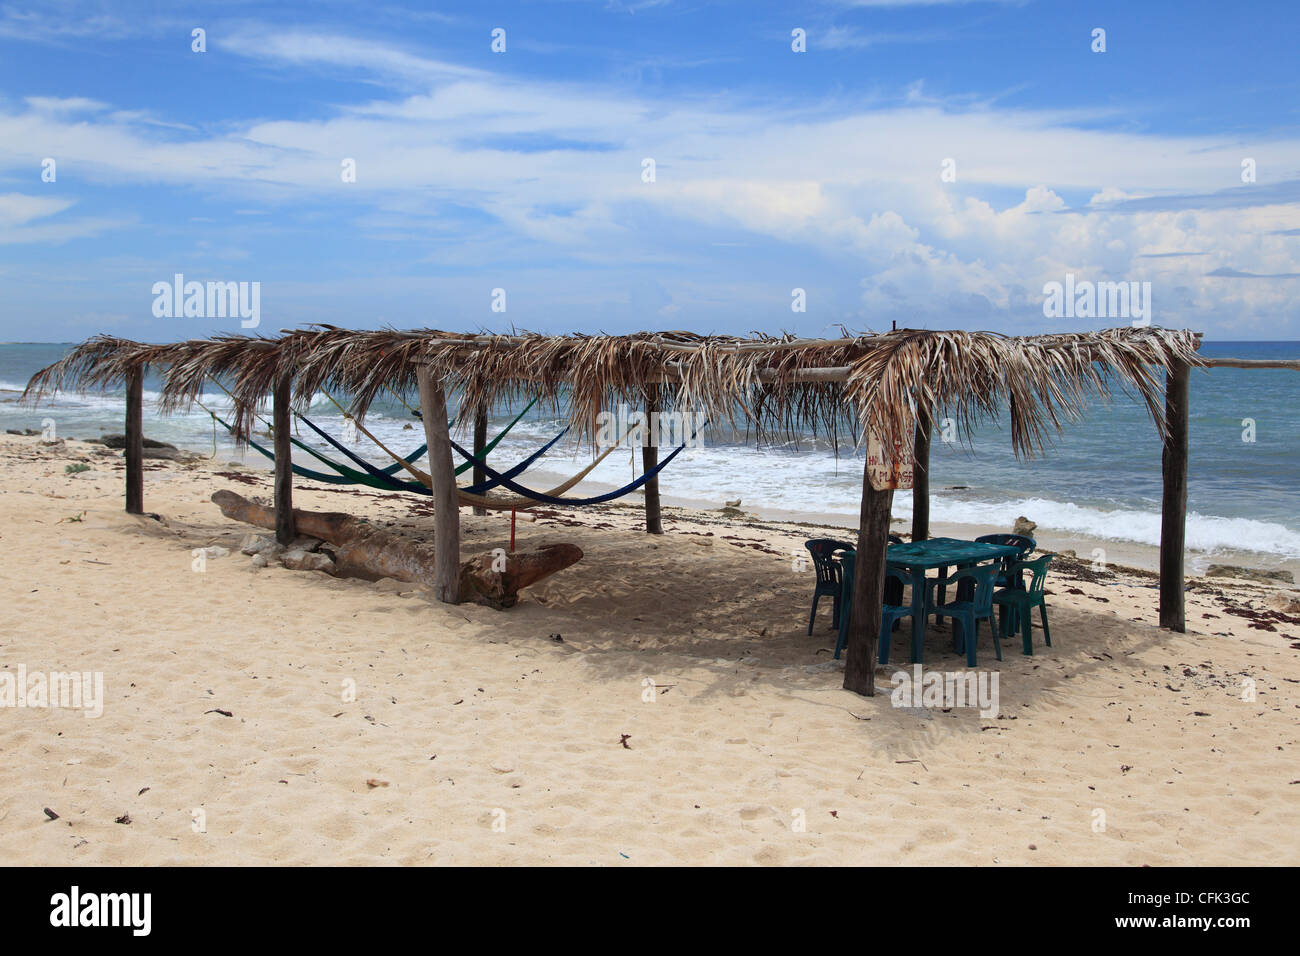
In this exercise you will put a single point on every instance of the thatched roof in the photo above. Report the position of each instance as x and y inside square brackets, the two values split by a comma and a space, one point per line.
[884, 382]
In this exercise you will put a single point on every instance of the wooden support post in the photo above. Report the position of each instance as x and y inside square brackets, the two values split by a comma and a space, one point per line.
[285, 530]
[480, 443]
[446, 508]
[921, 483]
[134, 452]
[1173, 507]
[649, 459]
[868, 589]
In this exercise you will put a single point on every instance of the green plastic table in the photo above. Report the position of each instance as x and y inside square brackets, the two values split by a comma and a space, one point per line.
[917, 557]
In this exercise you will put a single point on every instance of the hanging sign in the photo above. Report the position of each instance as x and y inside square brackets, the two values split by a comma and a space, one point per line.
[889, 468]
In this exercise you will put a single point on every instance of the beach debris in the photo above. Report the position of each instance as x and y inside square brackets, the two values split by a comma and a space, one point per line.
[218, 710]
[1023, 526]
[732, 504]
[142, 791]
[374, 782]
[75, 469]
[124, 819]
[1287, 603]
[118, 441]
[1249, 574]
[25, 432]
[214, 551]
[623, 739]
[363, 550]
[557, 638]
[300, 560]
[502, 766]
[254, 543]
[51, 814]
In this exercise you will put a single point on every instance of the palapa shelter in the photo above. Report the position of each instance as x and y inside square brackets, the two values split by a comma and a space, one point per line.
[892, 386]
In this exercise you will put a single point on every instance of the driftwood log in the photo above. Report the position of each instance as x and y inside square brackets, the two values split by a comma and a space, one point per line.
[363, 550]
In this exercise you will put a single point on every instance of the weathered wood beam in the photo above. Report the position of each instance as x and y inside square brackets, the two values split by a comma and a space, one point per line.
[446, 508]
[1173, 507]
[134, 452]
[868, 589]
[285, 529]
[362, 550]
[1251, 363]
[921, 483]
[649, 459]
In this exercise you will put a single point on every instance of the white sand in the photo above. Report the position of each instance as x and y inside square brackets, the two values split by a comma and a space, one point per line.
[472, 716]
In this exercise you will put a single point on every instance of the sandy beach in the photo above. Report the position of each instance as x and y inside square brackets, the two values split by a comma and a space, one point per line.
[533, 736]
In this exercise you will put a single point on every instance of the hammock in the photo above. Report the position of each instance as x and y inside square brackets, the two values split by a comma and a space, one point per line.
[467, 497]
[551, 498]
[398, 484]
[298, 470]
[348, 476]
[362, 478]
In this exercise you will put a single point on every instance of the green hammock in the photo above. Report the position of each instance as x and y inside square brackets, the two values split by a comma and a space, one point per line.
[351, 475]
[362, 478]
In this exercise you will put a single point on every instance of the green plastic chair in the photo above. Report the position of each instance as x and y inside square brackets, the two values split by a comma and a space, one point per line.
[966, 613]
[891, 612]
[1016, 603]
[828, 576]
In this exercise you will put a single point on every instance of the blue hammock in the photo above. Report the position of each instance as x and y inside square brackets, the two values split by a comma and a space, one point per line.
[398, 484]
[505, 482]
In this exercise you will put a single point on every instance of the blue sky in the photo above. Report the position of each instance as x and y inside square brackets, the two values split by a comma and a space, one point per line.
[774, 170]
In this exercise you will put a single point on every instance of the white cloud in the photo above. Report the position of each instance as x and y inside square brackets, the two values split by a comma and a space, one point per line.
[17, 209]
[71, 104]
[560, 164]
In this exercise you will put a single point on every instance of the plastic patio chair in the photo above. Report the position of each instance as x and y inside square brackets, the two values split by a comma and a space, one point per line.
[1005, 578]
[828, 576]
[968, 613]
[1023, 542]
[891, 612]
[1017, 603]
